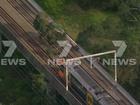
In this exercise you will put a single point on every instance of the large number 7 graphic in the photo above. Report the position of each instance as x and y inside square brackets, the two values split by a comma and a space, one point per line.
[12, 47]
[67, 46]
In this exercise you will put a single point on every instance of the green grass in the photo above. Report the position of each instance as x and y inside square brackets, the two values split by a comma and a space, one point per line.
[72, 17]
[76, 20]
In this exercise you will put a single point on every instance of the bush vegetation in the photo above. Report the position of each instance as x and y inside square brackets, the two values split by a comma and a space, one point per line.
[95, 23]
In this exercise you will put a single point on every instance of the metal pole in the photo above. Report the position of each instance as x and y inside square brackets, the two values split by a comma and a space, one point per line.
[88, 56]
[115, 60]
[93, 55]
[91, 62]
[67, 78]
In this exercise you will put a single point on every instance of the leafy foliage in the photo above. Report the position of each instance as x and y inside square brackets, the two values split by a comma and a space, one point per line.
[53, 7]
[50, 31]
[121, 22]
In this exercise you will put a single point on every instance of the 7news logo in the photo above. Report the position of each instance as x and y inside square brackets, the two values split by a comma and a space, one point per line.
[7, 58]
[122, 46]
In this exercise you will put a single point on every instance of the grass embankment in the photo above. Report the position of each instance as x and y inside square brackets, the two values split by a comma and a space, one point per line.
[96, 27]
[22, 84]
[71, 16]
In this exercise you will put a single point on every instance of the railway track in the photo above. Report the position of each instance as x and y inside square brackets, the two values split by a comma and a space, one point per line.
[12, 2]
[72, 56]
[30, 42]
[106, 85]
[20, 7]
[73, 53]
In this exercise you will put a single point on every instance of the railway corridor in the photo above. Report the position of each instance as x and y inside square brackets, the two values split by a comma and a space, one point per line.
[25, 31]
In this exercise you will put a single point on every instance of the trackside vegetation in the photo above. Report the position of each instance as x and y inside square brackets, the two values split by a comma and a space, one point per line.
[94, 24]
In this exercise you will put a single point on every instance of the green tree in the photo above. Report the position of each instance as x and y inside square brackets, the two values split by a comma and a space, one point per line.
[53, 7]
[41, 24]
[102, 4]
[112, 26]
